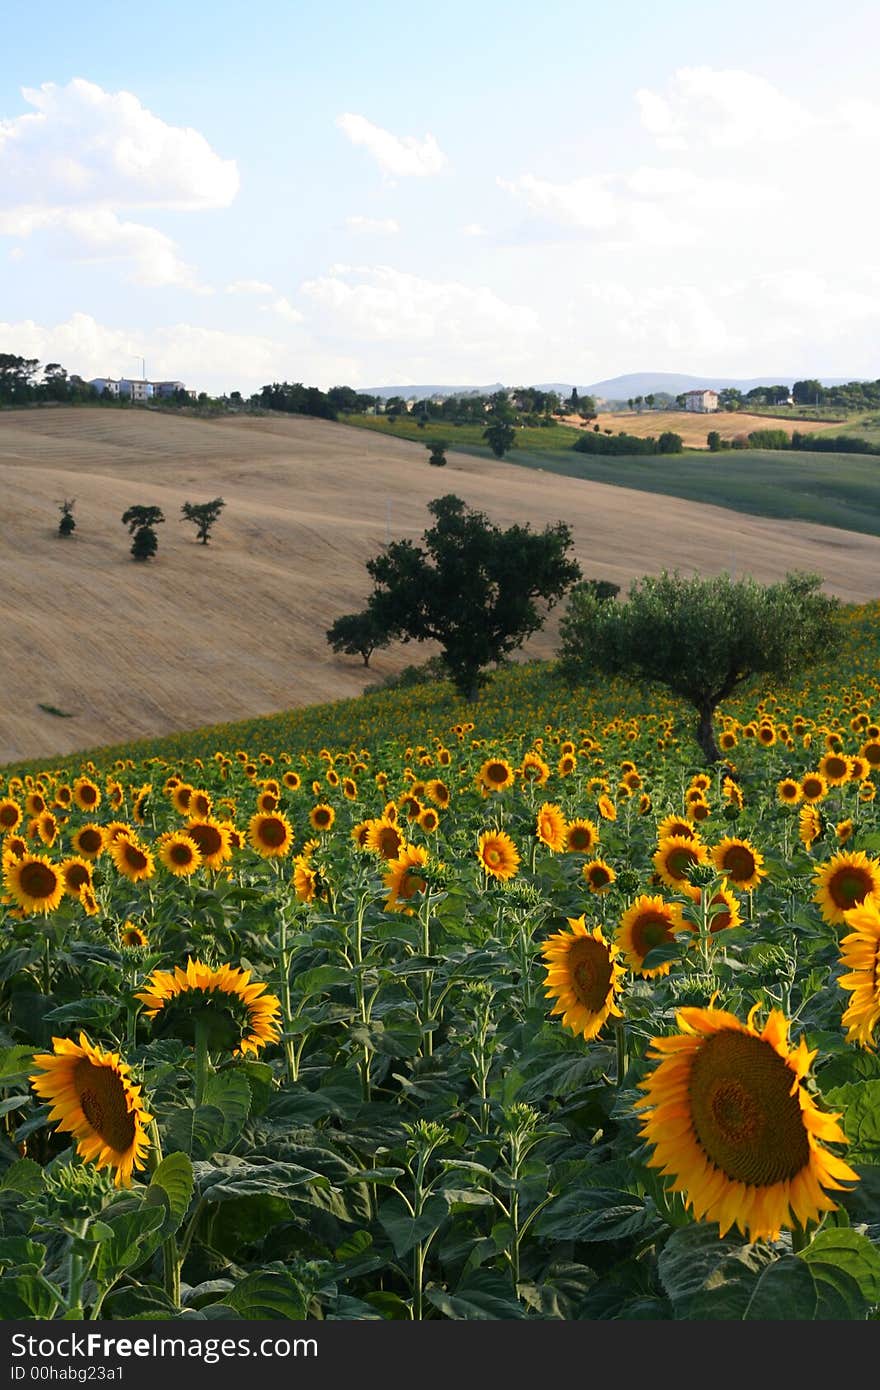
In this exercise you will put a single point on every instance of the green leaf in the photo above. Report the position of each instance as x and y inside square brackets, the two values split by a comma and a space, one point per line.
[860, 1103]
[228, 1091]
[135, 1236]
[486, 1294]
[27, 1296]
[171, 1186]
[851, 1252]
[321, 979]
[18, 1250]
[695, 1256]
[24, 1176]
[266, 1295]
[596, 1214]
[101, 1009]
[405, 1231]
[257, 1178]
[198, 1132]
[13, 1103]
[15, 1064]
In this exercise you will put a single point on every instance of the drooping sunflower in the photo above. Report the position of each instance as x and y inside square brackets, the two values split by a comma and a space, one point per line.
[649, 922]
[810, 825]
[403, 880]
[583, 977]
[581, 836]
[497, 854]
[35, 884]
[550, 826]
[132, 859]
[234, 1013]
[533, 769]
[93, 1099]
[860, 956]
[674, 858]
[606, 808]
[88, 901]
[844, 830]
[178, 853]
[271, 835]
[89, 841]
[599, 876]
[732, 1125]
[845, 882]
[723, 909]
[740, 862]
[180, 796]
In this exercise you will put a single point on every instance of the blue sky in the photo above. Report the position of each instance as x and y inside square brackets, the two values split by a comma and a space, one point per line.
[483, 192]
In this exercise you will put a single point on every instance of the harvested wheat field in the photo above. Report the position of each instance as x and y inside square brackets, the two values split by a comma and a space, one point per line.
[208, 634]
[694, 427]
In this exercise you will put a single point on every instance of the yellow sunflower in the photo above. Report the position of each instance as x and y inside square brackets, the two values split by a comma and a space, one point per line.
[674, 858]
[403, 880]
[133, 936]
[10, 815]
[234, 1013]
[550, 826]
[89, 841]
[676, 825]
[88, 901]
[788, 791]
[77, 873]
[734, 1127]
[583, 977]
[35, 884]
[271, 835]
[834, 767]
[385, 838]
[212, 838]
[321, 817]
[649, 922]
[860, 956]
[599, 876]
[533, 769]
[723, 909]
[581, 836]
[497, 854]
[134, 861]
[740, 862]
[85, 794]
[178, 853]
[93, 1099]
[495, 775]
[810, 825]
[606, 808]
[814, 787]
[845, 882]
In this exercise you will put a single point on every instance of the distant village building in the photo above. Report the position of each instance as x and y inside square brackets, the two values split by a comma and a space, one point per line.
[701, 401]
[139, 390]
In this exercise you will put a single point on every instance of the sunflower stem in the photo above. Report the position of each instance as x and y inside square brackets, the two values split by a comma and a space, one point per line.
[285, 999]
[620, 1046]
[203, 1063]
[800, 1239]
[171, 1260]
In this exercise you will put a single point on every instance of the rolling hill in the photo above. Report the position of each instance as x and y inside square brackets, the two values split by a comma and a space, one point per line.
[207, 634]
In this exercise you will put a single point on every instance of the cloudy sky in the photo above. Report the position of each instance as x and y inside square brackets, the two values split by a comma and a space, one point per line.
[382, 194]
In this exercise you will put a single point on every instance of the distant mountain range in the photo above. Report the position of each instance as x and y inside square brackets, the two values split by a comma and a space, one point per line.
[615, 388]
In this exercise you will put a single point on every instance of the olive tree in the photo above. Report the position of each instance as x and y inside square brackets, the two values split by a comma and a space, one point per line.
[700, 638]
[357, 634]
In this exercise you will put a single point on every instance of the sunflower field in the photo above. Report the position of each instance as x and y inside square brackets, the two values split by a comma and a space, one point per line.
[406, 1009]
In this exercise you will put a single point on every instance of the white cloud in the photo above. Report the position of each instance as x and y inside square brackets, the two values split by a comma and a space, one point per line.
[400, 156]
[249, 287]
[377, 303]
[285, 310]
[84, 146]
[68, 166]
[585, 203]
[474, 229]
[386, 226]
[724, 108]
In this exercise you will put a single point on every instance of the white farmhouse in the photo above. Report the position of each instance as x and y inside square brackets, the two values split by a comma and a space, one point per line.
[702, 400]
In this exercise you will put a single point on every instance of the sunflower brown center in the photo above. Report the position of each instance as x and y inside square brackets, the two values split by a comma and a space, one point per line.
[835, 767]
[679, 861]
[650, 930]
[76, 875]
[739, 863]
[745, 1118]
[102, 1097]
[389, 842]
[134, 857]
[580, 837]
[849, 887]
[272, 833]
[496, 772]
[8, 815]
[599, 876]
[590, 970]
[38, 880]
[207, 837]
[180, 853]
[90, 841]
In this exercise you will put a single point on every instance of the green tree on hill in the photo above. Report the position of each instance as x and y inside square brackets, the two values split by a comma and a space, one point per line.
[141, 523]
[471, 587]
[203, 516]
[357, 634]
[700, 638]
[66, 525]
[499, 434]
